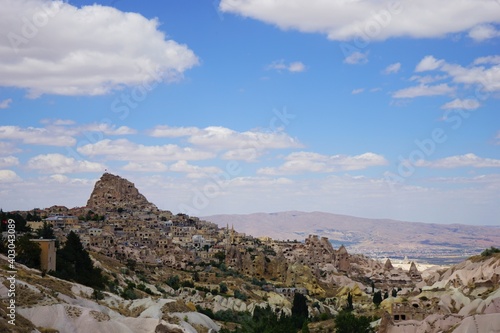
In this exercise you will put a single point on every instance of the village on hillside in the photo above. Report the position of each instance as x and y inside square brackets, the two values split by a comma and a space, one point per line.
[120, 224]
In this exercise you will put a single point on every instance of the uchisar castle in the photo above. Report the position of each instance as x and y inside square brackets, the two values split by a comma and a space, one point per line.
[177, 273]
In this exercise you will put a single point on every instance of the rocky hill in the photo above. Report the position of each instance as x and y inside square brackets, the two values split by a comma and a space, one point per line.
[438, 243]
[112, 193]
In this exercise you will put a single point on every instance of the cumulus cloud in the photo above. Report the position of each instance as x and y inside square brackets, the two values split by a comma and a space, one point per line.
[8, 161]
[460, 161]
[392, 68]
[483, 32]
[281, 65]
[150, 166]
[57, 163]
[8, 176]
[125, 150]
[483, 72]
[61, 49]
[356, 58]
[247, 145]
[108, 129]
[424, 90]
[428, 63]
[465, 104]
[219, 138]
[164, 131]
[8, 148]
[495, 60]
[5, 103]
[36, 136]
[300, 162]
[357, 91]
[369, 20]
[193, 171]
[57, 122]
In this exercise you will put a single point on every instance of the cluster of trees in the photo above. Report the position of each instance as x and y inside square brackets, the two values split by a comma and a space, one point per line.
[489, 252]
[265, 320]
[72, 260]
[20, 221]
[73, 263]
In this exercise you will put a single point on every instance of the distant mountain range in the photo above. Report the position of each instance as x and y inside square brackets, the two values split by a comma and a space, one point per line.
[438, 243]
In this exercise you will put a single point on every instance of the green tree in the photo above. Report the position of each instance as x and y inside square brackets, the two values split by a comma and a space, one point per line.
[305, 327]
[222, 288]
[131, 264]
[45, 232]
[300, 312]
[349, 306]
[74, 263]
[20, 225]
[488, 252]
[347, 322]
[377, 298]
[28, 252]
[174, 282]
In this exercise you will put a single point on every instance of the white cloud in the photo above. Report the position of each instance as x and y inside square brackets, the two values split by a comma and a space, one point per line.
[460, 161]
[65, 180]
[424, 90]
[193, 171]
[369, 20]
[483, 32]
[36, 136]
[497, 138]
[125, 150]
[465, 104]
[150, 166]
[57, 122]
[8, 148]
[484, 71]
[356, 58]
[108, 129]
[426, 79]
[301, 162]
[8, 161]
[428, 63]
[246, 145]
[5, 103]
[222, 138]
[91, 50]
[8, 176]
[280, 65]
[495, 60]
[164, 131]
[486, 78]
[393, 68]
[296, 67]
[357, 91]
[57, 163]
[242, 154]
[259, 181]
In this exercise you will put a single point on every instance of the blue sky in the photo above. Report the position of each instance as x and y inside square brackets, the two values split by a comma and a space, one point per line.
[367, 108]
